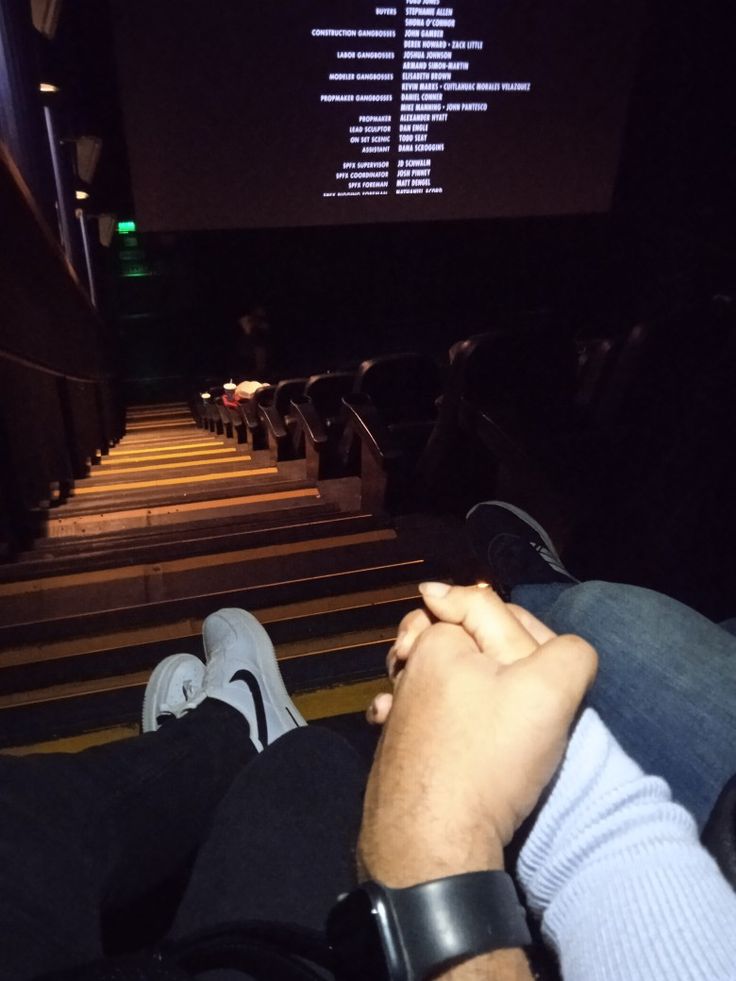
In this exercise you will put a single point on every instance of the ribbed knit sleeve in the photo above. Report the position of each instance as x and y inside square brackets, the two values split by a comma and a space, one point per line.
[615, 869]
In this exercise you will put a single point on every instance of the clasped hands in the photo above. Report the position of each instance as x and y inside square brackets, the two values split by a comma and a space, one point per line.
[483, 699]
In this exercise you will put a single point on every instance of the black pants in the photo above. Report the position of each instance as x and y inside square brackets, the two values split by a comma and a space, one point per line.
[273, 834]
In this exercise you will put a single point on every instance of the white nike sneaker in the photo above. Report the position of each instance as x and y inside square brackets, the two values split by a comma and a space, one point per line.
[174, 688]
[243, 672]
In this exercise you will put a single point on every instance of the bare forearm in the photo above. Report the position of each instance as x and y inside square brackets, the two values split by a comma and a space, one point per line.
[501, 965]
[457, 851]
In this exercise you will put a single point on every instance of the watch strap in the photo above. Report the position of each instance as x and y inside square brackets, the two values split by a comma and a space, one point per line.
[446, 921]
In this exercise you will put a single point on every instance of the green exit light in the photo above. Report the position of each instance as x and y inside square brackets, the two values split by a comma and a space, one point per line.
[126, 227]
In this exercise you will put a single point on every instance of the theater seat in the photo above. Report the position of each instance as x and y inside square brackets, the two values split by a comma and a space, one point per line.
[211, 412]
[277, 421]
[316, 421]
[602, 463]
[238, 432]
[525, 378]
[197, 406]
[390, 415]
[327, 392]
[226, 421]
[250, 413]
[547, 411]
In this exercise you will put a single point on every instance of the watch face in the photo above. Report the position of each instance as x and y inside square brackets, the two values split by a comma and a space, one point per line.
[354, 934]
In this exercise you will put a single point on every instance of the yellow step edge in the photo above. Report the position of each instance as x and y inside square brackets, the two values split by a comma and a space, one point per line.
[72, 689]
[57, 527]
[187, 432]
[298, 650]
[169, 409]
[75, 744]
[139, 679]
[201, 478]
[108, 462]
[133, 449]
[155, 438]
[175, 415]
[141, 426]
[110, 471]
[172, 566]
[145, 406]
[166, 443]
[144, 430]
[153, 452]
[325, 703]
[191, 626]
[405, 564]
[340, 700]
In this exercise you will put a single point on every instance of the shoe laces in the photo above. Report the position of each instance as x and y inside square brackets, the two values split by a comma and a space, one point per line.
[544, 553]
[179, 708]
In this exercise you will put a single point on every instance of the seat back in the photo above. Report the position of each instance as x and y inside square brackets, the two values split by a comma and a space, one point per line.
[403, 387]
[327, 391]
[284, 392]
[264, 396]
[595, 358]
[523, 378]
[627, 374]
[249, 411]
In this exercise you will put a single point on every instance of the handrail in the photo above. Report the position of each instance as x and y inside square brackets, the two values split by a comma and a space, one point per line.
[6, 159]
[18, 359]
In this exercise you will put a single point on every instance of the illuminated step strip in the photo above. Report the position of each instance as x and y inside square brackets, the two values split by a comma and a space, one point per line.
[154, 406]
[156, 416]
[79, 524]
[100, 686]
[186, 432]
[323, 704]
[160, 420]
[164, 453]
[180, 629]
[159, 569]
[167, 441]
[170, 466]
[173, 481]
[180, 423]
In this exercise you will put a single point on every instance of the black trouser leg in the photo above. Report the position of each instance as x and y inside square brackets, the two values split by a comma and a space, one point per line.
[282, 843]
[82, 831]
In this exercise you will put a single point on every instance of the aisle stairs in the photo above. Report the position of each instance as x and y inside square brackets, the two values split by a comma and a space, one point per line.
[171, 525]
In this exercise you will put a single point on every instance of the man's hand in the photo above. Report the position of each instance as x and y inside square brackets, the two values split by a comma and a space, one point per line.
[478, 724]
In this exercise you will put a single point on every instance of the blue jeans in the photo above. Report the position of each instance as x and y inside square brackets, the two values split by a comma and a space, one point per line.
[666, 684]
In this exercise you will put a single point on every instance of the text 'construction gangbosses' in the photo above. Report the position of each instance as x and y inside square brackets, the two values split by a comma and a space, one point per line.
[406, 73]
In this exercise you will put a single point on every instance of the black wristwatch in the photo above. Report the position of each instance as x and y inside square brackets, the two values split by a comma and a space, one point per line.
[411, 934]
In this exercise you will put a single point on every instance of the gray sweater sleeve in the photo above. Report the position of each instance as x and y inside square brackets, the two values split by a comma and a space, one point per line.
[616, 871]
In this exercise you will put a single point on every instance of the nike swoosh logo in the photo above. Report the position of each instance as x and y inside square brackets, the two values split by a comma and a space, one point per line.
[255, 689]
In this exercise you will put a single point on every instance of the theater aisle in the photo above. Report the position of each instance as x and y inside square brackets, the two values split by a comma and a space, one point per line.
[171, 525]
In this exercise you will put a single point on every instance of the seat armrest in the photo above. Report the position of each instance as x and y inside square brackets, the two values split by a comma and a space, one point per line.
[249, 412]
[363, 418]
[308, 418]
[504, 447]
[273, 421]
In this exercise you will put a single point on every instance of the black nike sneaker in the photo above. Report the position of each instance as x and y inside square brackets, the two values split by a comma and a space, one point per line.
[517, 548]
